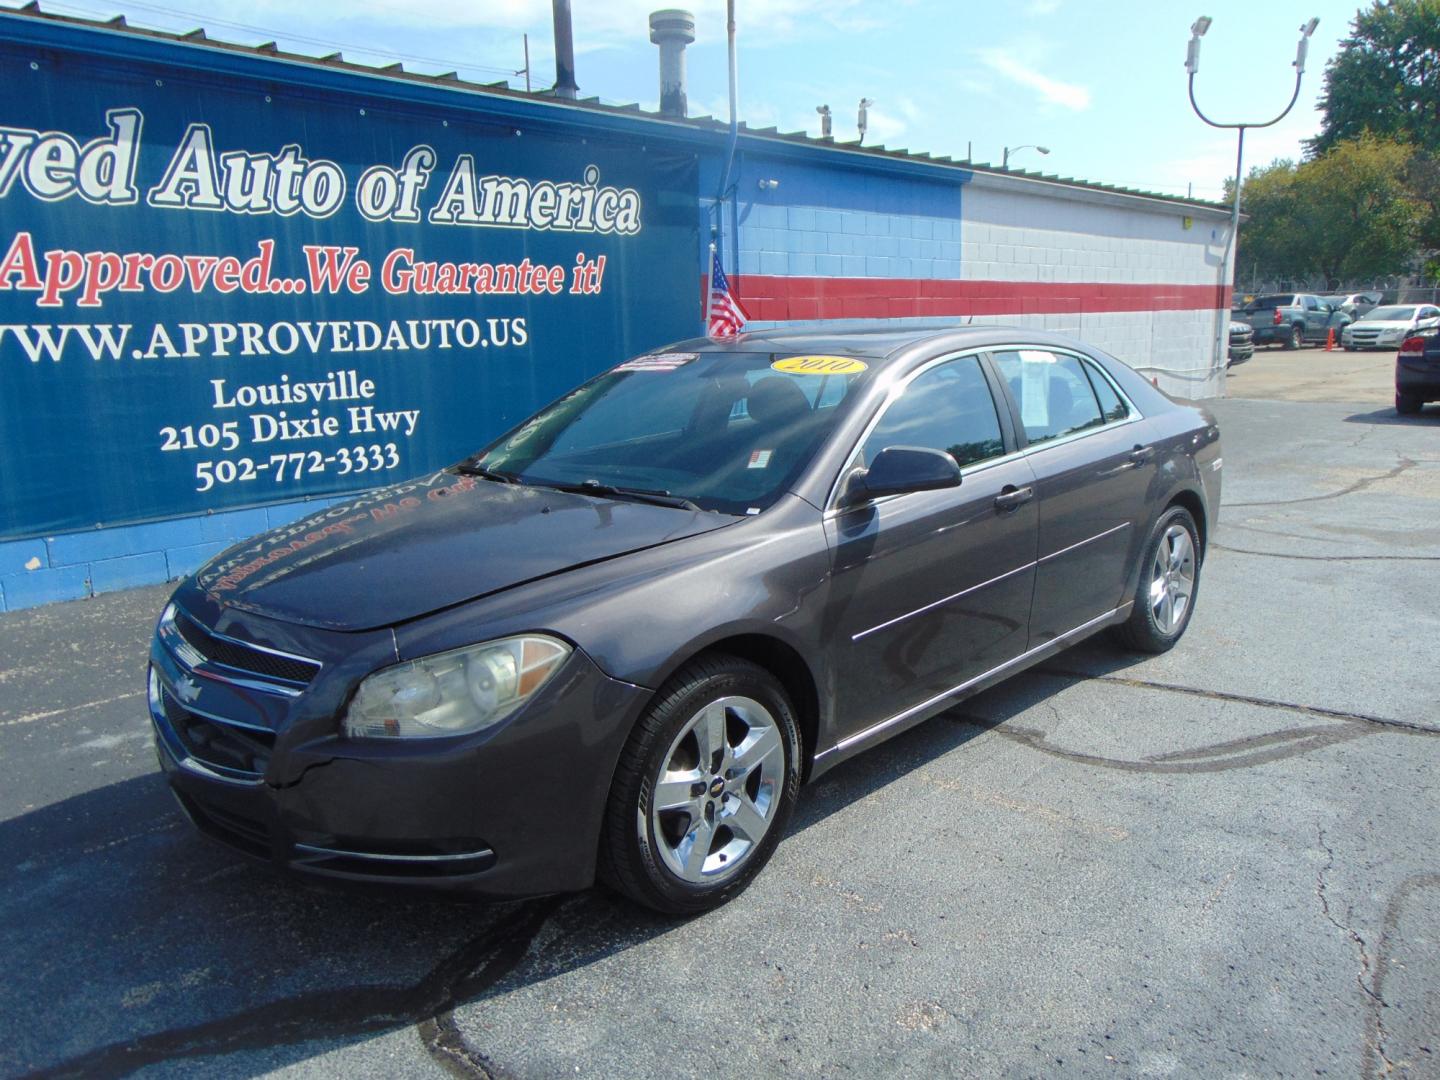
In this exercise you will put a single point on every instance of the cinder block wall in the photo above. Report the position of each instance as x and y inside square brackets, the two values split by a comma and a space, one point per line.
[71, 566]
[1135, 276]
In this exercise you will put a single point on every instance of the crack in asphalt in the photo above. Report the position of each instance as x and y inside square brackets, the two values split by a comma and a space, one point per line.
[1366, 969]
[1243, 753]
[1217, 546]
[1217, 757]
[1388, 927]
[463, 975]
[1249, 699]
[447, 1047]
[1349, 489]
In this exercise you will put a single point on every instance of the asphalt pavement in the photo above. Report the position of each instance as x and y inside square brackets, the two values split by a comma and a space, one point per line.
[1217, 862]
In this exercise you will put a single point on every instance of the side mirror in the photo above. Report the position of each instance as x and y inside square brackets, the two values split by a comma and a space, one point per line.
[900, 469]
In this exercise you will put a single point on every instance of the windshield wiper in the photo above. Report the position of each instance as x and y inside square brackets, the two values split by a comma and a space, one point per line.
[474, 468]
[655, 496]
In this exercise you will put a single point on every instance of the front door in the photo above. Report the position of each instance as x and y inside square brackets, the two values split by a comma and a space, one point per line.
[932, 588]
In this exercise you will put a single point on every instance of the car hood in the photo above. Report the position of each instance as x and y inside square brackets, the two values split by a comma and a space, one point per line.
[1382, 324]
[417, 547]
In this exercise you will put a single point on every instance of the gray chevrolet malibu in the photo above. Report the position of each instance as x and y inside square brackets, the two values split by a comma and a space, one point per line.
[617, 641]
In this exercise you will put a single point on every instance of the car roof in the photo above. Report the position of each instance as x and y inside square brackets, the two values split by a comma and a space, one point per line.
[879, 343]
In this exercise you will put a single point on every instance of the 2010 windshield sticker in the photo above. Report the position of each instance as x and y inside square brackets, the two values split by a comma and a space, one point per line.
[667, 361]
[819, 365]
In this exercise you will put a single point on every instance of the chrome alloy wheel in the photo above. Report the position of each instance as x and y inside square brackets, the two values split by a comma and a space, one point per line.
[1172, 578]
[718, 789]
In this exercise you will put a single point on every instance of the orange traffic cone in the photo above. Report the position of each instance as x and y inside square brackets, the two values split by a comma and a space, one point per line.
[1330, 340]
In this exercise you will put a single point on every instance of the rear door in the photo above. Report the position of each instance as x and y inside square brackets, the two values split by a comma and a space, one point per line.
[931, 588]
[1089, 449]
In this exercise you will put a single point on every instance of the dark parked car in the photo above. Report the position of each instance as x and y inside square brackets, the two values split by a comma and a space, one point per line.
[1291, 319]
[618, 639]
[1417, 372]
[1242, 342]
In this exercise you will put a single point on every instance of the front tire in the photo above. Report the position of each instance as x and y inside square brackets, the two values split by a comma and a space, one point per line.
[1169, 579]
[704, 788]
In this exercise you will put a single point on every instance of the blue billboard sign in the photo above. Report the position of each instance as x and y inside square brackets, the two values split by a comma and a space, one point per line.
[218, 293]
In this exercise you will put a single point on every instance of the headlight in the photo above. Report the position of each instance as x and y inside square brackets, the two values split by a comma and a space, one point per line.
[453, 693]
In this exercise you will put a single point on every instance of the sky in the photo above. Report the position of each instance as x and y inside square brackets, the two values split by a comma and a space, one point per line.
[1100, 83]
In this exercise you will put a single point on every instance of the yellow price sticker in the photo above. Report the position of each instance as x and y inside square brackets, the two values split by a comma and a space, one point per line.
[819, 365]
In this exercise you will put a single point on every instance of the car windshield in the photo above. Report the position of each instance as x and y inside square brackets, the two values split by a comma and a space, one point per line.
[1390, 314]
[728, 431]
[1269, 303]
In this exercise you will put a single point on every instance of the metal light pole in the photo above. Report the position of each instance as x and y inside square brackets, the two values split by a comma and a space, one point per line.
[1005, 158]
[1192, 65]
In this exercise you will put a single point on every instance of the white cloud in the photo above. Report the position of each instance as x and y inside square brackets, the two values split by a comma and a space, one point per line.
[1042, 7]
[1053, 91]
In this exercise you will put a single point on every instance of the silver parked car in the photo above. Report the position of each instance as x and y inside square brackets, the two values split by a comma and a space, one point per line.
[1386, 327]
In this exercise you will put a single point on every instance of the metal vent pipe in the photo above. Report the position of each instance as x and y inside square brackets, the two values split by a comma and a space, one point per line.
[672, 30]
[564, 51]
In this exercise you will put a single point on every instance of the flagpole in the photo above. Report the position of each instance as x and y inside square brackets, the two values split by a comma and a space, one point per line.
[709, 288]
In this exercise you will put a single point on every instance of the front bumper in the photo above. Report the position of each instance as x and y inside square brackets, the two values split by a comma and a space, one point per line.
[1371, 339]
[513, 811]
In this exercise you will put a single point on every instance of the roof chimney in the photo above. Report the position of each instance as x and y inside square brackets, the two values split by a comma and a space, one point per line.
[564, 51]
[672, 30]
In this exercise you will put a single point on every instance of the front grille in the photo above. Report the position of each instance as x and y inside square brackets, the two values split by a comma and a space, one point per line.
[234, 751]
[241, 657]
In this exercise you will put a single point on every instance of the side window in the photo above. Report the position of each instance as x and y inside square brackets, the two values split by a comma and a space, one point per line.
[1310, 304]
[1052, 391]
[948, 408]
[1112, 406]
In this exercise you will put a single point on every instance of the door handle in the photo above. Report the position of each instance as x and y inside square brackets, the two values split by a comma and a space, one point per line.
[1142, 454]
[1011, 497]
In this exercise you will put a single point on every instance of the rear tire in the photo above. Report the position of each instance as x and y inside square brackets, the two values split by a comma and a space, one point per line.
[704, 788]
[1407, 404]
[1169, 580]
[1296, 338]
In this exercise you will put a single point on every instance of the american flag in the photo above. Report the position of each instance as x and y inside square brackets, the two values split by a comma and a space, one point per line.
[724, 317]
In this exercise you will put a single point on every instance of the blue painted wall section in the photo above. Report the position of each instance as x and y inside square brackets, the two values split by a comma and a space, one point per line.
[845, 217]
[73, 566]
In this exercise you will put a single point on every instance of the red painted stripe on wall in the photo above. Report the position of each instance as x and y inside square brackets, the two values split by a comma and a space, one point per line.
[776, 298]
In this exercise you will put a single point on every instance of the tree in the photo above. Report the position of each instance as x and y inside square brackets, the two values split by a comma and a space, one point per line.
[1270, 243]
[1386, 78]
[1347, 214]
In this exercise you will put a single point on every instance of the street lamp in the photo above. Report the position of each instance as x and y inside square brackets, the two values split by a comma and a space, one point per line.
[1005, 159]
[1192, 65]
